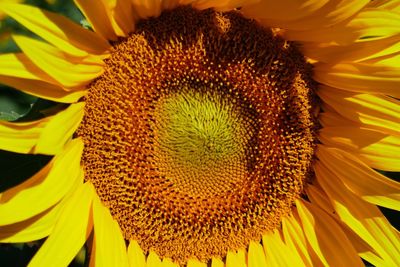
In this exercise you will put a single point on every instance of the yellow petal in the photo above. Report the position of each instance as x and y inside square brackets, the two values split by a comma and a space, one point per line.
[359, 77]
[170, 4]
[256, 256]
[393, 5]
[123, 14]
[283, 10]
[32, 229]
[52, 61]
[311, 14]
[367, 24]
[319, 197]
[196, 263]
[326, 237]
[378, 111]
[362, 217]
[362, 49]
[295, 239]
[153, 260]
[44, 189]
[57, 30]
[277, 253]
[19, 65]
[236, 259]
[217, 263]
[148, 8]
[135, 255]
[45, 136]
[221, 5]
[361, 179]
[67, 71]
[38, 226]
[71, 231]
[99, 16]
[169, 263]
[43, 89]
[110, 249]
[373, 147]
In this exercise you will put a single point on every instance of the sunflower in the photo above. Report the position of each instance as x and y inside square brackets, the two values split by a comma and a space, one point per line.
[208, 133]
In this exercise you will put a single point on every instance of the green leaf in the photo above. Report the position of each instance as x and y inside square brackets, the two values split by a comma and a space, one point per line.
[14, 104]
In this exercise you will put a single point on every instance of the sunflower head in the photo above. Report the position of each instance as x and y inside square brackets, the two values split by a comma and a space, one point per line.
[209, 133]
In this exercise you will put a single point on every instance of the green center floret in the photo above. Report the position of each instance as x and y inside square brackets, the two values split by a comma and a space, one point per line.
[199, 129]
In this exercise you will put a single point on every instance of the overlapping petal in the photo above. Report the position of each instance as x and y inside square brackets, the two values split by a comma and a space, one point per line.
[71, 231]
[44, 136]
[363, 218]
[44, 189]
[57, 30]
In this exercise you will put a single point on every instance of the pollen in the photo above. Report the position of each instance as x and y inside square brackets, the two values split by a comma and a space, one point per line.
[200, 134]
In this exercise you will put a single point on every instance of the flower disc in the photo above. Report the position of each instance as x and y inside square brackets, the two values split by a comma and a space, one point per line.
[199, 136]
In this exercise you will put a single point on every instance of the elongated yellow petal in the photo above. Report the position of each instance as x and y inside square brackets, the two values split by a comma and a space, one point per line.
[393, 5]
[153, 260]
[362, 217]
[217, 263]
[220, 5]
[99, 16]
[38, 226]
[71, 231]
[256, 256]
[45, 136]
[123, 14]
[19, 65]
[326, 237]
[361, 49]
[359, 77]
[107, 232]
[236, 259]
[375, 148]
[306, 15]
[368, 23]
[148, 8]
[135, 255]
[319, 197]
[52, 61]
[361, 179]
[283, 10]
[277, 253]
[377, 111]
[43, 89]
[57, 30]
[44, 189]
[34, 228]
[169, 263]
[295, 239]
[196, 263]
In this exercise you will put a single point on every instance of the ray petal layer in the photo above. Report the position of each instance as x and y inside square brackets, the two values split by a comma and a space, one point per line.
[57, 30]
[136, 256]
[377, 111]
[44, 189]
[360, 77]
[106, 233]
[361, 179]
[71, 231]
[45, 136]
[57, 65]
[326, 237]
[363, 218]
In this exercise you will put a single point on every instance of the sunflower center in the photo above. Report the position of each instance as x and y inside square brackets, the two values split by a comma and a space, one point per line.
[199, 135]
[201, 140]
